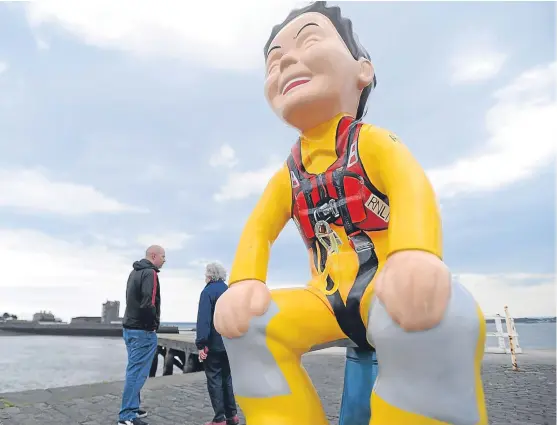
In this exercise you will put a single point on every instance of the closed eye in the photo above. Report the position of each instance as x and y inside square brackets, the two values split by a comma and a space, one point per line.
[311, 41]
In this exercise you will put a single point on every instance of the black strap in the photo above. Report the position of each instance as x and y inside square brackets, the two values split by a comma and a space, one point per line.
[347, 315]
[351, 322]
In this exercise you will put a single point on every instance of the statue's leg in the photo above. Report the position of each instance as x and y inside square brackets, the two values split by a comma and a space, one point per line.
[359, 376]
[431, 377]
[270, 383]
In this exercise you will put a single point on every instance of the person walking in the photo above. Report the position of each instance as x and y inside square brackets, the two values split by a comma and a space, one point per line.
[140, 325]
[211, 349]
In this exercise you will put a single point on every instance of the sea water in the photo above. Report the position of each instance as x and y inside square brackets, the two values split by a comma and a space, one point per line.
[37, 361]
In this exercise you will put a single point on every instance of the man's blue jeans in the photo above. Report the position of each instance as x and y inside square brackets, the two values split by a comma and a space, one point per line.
[141, 346]
[360, 374]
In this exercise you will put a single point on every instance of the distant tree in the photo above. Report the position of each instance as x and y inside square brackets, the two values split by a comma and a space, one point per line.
[14, 317]
[6, 315]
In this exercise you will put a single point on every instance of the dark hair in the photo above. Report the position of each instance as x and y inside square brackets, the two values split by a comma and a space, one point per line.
[344, 29]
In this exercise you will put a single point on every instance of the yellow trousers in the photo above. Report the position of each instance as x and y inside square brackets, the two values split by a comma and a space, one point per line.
[273, 388]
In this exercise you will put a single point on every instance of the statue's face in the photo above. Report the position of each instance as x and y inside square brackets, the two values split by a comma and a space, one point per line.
[311, 74]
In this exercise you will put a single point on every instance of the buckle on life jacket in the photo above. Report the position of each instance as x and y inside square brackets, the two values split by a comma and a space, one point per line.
[326, 210]
[327, 237]
[359, 242]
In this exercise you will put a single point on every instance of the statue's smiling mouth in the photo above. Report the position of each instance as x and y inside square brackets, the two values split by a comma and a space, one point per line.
[293, 83]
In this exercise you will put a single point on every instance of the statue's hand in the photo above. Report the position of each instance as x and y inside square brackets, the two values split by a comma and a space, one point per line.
[238, 304]
[414, 286]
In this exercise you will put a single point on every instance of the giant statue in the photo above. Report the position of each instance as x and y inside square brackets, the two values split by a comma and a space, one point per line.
[369, 218]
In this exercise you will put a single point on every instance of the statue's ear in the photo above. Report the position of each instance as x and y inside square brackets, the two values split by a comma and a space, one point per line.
[367, 72]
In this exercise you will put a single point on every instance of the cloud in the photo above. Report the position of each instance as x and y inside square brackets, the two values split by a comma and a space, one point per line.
[241, 185]
[222, 35]
[225, 156]
[72, 278]
[3, 67]
[199, 263]
[110, 241]
[471, 67]
[211, 227]
[42, 44]
[476, 58]
[171, 241]
[39, 260]
[30, 191]
[494, 291]
[521, 130]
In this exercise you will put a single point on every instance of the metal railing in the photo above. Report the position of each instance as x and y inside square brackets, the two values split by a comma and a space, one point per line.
[503, 334]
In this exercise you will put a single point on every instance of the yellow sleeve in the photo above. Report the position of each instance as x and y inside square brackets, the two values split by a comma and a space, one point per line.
[415, 220]
[265, 223]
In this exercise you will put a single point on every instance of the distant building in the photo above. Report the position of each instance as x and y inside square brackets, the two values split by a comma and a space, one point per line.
[110, 312]
[44, 316]
[85, 319]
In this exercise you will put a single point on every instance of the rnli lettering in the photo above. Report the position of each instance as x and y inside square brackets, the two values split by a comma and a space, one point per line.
[353, 155]
[295, 182]
[378, 207]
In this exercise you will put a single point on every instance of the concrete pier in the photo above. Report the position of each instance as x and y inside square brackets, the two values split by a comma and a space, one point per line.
[524, 397]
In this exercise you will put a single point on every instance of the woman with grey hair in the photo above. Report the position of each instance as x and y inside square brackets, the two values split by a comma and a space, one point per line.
[211, 349]
[214, 272]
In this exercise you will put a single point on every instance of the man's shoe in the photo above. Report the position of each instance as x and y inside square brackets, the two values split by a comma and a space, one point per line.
[235, 420]
[141, 413]
[135, 421]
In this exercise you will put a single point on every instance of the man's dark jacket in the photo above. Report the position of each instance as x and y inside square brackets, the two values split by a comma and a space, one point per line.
[143, 297]
[207, 335]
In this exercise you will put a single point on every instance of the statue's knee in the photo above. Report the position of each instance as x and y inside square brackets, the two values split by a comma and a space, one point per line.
[463, 319]
[441, 362]
[251, 357]
[461, 324]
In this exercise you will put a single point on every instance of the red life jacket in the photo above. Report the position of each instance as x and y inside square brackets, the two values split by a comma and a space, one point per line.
[322, 196]
[343, 195]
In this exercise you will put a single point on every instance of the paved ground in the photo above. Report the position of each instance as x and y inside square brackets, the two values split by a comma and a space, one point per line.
[525, 397]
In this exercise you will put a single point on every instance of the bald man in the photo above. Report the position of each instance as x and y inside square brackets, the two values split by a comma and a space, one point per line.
[141, 321]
